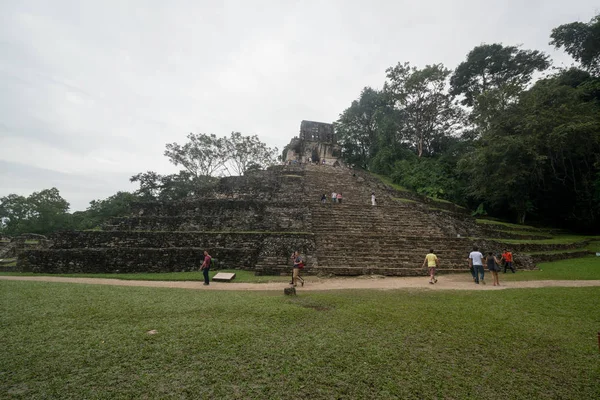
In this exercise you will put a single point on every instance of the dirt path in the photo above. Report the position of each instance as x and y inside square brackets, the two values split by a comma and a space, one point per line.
[446, 282]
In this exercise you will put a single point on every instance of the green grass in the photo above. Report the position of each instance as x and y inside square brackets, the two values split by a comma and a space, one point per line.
[594, 246]
[445, 202]
[528, 233]
[533, 253]
[62, 341]
[584, 268]
[388, 181]
[403, 200]
[501, 224]
[240, 276]
[559, 239]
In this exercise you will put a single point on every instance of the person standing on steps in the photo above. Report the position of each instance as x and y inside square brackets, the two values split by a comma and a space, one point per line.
[339, 198]
[432, 262]
[476, 261]
[507, 258]
[323, 199]
[373, 199]
[298, 265]
[205, 268]
[493, 265]
[333, 197]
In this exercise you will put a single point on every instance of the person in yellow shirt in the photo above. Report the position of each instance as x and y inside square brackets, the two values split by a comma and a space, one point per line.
[432, 262]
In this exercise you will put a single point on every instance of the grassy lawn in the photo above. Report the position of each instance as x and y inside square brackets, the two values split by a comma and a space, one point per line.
[557, 239]
[83, 341]
[571, 269]
[240, 276]
[505, 225]
[388, 181]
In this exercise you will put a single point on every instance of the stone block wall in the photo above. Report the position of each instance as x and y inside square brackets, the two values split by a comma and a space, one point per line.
[217, 215]
[111, 252]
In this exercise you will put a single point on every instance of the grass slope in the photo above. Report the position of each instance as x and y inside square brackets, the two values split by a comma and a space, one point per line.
[79, 341]
[570, 269]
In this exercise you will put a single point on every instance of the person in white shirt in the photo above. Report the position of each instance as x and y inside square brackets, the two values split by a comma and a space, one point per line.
[373, 200]
[476, 261]
[333, 197]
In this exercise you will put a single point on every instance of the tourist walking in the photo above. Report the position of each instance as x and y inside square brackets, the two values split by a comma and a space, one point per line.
[339, 198]
[323, 199]
[373, 200]
[432, 262]
[507, 260]
[333, 197]
[493, 265]
[298, 265]
[205, 268]
[476, 261]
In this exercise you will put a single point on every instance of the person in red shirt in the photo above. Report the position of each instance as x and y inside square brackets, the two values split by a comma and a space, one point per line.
[507, 257]
[205, 268]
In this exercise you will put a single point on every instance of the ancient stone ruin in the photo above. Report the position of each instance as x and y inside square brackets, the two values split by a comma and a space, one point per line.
[254, 222]
[317, 141]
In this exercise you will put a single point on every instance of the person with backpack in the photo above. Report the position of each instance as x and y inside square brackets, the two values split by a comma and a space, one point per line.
[298, 265]
[205, 268]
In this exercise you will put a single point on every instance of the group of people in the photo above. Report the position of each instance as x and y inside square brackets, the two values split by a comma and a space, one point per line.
[335, 198]
[476, 262]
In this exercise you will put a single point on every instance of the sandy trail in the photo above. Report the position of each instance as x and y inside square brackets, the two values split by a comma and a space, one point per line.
[445, 282]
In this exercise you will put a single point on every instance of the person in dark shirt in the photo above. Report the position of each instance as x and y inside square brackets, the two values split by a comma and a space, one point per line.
[493, 265]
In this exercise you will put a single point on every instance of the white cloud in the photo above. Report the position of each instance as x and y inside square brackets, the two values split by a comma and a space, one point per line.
[98, 88]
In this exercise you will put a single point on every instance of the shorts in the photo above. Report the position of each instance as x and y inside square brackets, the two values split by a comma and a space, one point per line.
[432, 270]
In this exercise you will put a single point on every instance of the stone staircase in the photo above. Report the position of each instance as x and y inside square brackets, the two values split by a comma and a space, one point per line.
[391, 238]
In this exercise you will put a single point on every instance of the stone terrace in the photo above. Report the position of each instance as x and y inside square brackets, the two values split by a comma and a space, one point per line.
[254, 222]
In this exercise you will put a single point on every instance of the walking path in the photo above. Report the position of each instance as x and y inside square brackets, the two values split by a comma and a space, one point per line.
[445, 282]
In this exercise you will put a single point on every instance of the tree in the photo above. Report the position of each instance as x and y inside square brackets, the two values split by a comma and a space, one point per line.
[493, 76]
[581, 41]
[357, 127]
[100, 211]
[150, 184]
[14, 211]
[244, 152]
[541, 154]
[420, 94]
[202, 155]
[41, 212]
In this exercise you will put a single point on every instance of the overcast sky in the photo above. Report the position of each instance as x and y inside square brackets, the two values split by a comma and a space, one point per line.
[91, 91]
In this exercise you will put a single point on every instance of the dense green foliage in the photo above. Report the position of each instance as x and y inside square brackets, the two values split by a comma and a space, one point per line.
[484, 136]
[85, 341]
[41, 212]
[46, 212]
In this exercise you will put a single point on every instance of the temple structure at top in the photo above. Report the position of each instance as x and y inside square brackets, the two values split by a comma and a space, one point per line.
[317, 141]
